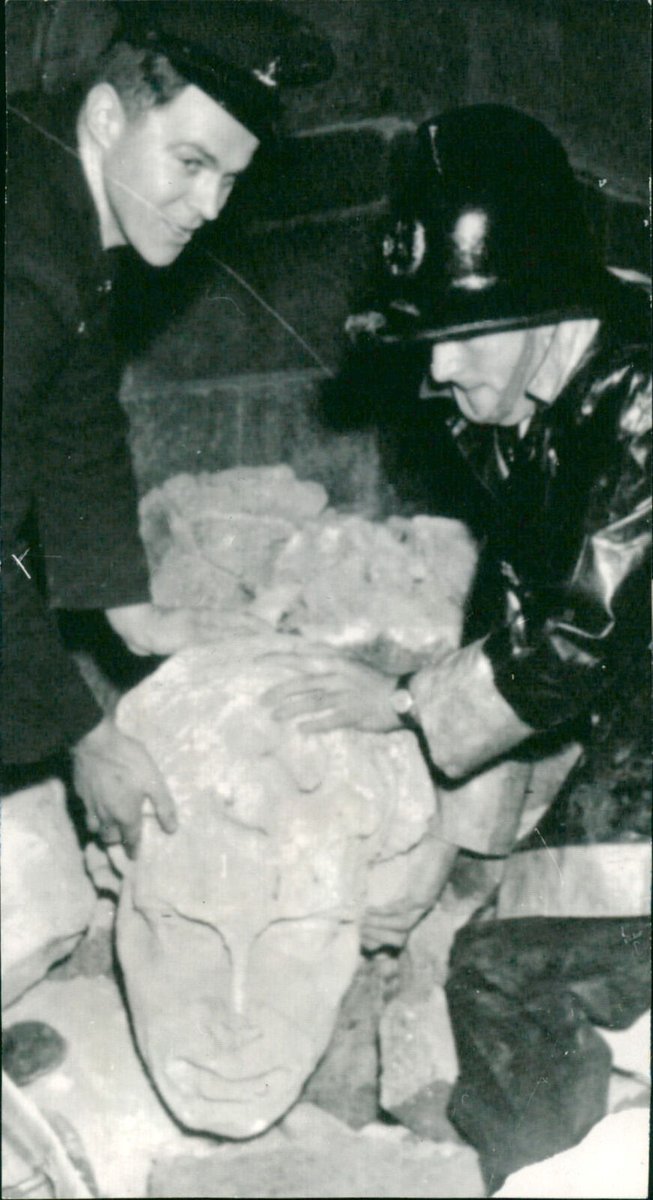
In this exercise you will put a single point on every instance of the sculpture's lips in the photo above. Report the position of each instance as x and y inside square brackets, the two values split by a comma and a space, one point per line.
[192, 1079]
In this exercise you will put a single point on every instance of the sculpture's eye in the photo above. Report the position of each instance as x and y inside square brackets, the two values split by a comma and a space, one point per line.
[157, 916]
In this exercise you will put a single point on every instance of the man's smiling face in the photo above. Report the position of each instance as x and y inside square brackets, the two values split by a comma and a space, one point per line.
[170, 169]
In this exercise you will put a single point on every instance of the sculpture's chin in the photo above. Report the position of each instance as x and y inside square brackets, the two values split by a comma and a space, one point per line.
[205, 1101]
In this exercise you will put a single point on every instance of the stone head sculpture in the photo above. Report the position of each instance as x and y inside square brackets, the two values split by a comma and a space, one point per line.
[239, 934]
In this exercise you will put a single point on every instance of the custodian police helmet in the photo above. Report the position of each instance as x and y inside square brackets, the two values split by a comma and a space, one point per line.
[489, 233]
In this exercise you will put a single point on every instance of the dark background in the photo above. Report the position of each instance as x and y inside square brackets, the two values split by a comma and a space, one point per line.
[581, 66]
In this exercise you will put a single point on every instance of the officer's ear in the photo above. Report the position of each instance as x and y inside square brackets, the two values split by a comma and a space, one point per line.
[104, 115]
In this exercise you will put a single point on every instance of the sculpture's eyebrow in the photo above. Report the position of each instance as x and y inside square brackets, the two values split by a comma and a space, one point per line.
[339, 916]
[156, 906]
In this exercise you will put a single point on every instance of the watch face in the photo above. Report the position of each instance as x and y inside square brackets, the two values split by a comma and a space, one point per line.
[402, 701]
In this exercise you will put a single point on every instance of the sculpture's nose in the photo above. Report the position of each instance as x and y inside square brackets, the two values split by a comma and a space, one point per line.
[233, 1026]
[233, 1031]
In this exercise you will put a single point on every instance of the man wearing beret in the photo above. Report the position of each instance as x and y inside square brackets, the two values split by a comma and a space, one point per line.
[539, 360]
[141, 155]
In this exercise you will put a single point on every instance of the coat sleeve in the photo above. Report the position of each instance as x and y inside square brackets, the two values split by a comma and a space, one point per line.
[553, 655]
[46, 706]
[86, 498]
[552, 658]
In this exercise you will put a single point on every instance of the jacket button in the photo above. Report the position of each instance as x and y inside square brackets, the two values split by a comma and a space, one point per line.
[81, 328]
[105, 287]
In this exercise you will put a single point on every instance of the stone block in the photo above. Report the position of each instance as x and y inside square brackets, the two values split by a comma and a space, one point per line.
[47, 898]
[345, 1082]
[417, 1049]
[418, 1053]
[425, 1112]
[313, 1154]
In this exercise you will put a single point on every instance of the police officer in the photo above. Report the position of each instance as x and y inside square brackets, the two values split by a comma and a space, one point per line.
[141, 155]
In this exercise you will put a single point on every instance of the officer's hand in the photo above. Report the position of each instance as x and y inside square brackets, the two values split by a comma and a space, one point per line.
[331, 692]
[114, 775]
[150, 629]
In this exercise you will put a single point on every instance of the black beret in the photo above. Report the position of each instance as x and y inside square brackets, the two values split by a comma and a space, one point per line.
[241, 52]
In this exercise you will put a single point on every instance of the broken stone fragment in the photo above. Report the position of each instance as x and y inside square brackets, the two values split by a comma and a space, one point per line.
[418, 1053]
[47, 898]
[419, 1064]
[346, 1081]
[30, 1049]
[392, 592]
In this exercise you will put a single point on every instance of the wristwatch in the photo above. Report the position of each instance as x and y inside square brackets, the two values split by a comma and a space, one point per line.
[404, 704]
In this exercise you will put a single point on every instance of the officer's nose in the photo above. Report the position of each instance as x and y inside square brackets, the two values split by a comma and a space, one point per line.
[209, 197]
[446, 358]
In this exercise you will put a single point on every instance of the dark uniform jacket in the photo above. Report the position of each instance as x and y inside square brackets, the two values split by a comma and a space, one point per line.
[567, 537]
[69, 516]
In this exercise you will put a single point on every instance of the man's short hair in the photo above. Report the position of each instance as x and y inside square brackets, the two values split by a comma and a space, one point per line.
[143, 78]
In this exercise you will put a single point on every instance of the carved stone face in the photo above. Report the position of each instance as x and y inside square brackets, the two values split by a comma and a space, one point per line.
[239, 934]
[233, 971]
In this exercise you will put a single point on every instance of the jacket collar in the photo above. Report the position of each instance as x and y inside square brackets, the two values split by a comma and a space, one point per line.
[492, 450]
[52, 124]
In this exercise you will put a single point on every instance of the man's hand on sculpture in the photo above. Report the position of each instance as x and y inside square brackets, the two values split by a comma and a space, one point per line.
[332, 692]
[114, 775]
[149, 629]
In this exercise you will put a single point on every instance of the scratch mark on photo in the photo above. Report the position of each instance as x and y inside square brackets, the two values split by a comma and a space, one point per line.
[19, 562]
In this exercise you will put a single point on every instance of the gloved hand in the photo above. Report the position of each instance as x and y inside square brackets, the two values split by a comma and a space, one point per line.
[113, 774]
[150, 629]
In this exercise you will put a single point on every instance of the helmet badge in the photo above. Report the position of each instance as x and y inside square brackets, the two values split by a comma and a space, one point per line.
[405, 248]
[469, 238]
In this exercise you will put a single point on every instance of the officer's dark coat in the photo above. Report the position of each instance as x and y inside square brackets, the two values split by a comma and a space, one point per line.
[70, 536]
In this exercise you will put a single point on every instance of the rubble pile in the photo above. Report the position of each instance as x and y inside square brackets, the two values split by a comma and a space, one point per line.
[259, 538]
